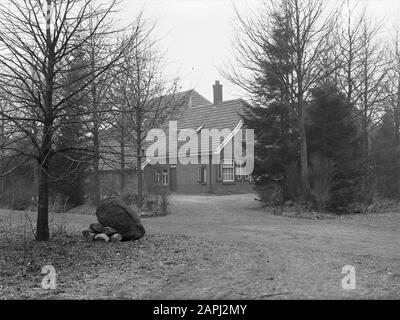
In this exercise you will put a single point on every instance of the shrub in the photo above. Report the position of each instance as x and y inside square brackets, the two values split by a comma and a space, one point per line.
[149, 201]
[60, 203]
[321, 177]
[292, 181]
[272, 195]
[67, 180]
[157, 201]
[129, 197]
[164, 201]
[18, 195]
[343, 194]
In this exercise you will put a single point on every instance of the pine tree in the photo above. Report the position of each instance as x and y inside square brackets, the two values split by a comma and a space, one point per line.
[386, 158]
[332, 134]
[275, 144]
[271, 117]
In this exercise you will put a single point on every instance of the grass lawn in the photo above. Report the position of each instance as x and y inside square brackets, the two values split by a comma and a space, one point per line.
[93, 270]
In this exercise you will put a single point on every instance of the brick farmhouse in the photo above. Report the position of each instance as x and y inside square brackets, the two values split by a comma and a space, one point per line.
[195, 178]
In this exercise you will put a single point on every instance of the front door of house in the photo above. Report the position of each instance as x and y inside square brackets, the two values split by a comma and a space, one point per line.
[173, 184]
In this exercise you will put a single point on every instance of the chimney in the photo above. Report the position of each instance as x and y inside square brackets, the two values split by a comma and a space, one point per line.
[217, 92]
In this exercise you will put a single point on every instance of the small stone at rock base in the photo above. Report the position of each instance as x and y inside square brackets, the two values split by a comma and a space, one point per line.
[102, 237]
[97, 227]
[109, 231]
[116, 238]
[88, 234]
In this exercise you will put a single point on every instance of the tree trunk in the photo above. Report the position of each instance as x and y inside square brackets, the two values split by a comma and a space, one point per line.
[96, 178]
[96, 122]
[122, 174]
[36, 176]
[303, 154]
[42, 225]
[139, 133]
[96, 144]
[211, 190]
[1, 152]
[300, 105]
[139, 177]
[303, 139]
[397, 128]
[365, 146]
[397, 114]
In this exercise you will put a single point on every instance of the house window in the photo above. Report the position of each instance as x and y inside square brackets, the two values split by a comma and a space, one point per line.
[165, 177]
[242, 176]
[161, 177]
[157, 177]
[202, 174]
[228, 170]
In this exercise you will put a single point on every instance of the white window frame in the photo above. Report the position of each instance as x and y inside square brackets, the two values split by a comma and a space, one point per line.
[158, 176]
[228, 170]
[165, 177]
[202, 174]
[241, 176]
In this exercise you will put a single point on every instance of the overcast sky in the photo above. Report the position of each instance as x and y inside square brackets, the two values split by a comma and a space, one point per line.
[197, 35]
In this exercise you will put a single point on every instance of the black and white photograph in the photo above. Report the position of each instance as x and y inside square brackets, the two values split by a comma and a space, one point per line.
[222, 151]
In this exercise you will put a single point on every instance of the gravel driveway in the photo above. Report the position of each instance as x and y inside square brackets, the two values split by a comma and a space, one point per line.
[239, 218]
[248, 253]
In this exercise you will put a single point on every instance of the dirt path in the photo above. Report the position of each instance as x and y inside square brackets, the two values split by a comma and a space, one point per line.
[283, 257]
[238, 219]
[261, 256]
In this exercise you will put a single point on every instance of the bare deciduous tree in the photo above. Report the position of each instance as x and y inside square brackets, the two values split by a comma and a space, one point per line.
[143, 98]
[349, 41]
[393, 85]
[38, 39]
[370, 94]
[362, 74]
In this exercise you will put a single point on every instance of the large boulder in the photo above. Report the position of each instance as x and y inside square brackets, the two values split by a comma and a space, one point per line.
[117, 214]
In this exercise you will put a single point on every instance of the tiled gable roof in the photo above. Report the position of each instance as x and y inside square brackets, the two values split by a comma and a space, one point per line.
[220, 116]
[196, 99]
[110, 148]
[226, 115]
